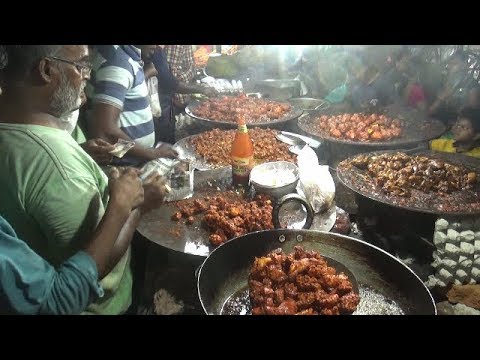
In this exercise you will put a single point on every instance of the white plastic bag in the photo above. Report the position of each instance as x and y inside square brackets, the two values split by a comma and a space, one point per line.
[316, 182]
[152, 84]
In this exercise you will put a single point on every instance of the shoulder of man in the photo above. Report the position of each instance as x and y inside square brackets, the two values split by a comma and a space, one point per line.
[112, 55]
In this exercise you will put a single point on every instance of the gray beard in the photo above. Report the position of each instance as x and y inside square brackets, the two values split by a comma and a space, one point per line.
[66, 98]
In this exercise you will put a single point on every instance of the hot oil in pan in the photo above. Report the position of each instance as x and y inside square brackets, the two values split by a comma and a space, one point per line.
[237, 304]
[371, 303]
[374, 303]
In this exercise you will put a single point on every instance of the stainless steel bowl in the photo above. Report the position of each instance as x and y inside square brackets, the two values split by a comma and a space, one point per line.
[309, 104]
[279, 89]
[276, 169]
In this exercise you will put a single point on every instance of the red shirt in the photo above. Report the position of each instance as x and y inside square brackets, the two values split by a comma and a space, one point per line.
[415, 95]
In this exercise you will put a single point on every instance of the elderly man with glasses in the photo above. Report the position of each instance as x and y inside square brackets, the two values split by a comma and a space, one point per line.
[51, 191]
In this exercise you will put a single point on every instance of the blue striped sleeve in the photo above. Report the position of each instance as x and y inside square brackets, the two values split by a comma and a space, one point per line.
[111, 83]
[139, 131]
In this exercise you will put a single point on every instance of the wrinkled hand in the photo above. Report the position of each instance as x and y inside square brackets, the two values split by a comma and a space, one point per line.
[99, 150]
[154, 192]
[210, 91]
[164, 150]
[126, 188]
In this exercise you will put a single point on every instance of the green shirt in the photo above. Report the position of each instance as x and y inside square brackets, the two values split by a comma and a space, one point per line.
[78, 135]
[54, 195]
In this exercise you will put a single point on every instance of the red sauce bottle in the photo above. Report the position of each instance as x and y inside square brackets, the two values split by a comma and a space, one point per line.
[241, 155]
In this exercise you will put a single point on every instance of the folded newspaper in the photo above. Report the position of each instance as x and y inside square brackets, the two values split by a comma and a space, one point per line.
[179, 176]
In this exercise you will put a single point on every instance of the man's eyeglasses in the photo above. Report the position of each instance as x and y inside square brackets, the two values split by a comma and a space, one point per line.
[83, 68]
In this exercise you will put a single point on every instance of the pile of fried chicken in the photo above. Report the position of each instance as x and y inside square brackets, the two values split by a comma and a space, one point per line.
[399, 173]
[227, 215]
[300, 283]
[358, 127]
[215, 146]
[229, 108]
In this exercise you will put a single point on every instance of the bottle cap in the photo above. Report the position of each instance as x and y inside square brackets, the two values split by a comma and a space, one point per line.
[241, 120]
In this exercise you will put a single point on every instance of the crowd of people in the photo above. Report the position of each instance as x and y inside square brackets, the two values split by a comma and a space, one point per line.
[69, 208]
[404, 80]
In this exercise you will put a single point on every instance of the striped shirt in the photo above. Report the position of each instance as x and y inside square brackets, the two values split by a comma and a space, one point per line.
[118, 79]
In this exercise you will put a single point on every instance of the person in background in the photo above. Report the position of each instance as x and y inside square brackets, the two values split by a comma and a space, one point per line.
[30, 285]
[466, 135]
[182, 66]
[409, 86]
[457, 84]
[473, 100]
[362, 90]
[118, 105]
[52, 192]
[168, 85]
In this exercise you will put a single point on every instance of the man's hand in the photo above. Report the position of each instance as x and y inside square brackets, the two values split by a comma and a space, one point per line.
[99, 150]
[126, 190]
[209, 91]
[149, 70]
[164, 150]
[154, 192]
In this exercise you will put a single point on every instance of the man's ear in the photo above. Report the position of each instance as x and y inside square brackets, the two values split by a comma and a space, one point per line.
[45, 70]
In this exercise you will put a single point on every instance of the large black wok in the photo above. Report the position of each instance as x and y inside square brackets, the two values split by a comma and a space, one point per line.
[460, 203]
[417, 128]
[386, 285]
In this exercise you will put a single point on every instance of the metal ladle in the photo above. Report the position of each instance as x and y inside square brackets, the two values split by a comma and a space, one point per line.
[296, 144]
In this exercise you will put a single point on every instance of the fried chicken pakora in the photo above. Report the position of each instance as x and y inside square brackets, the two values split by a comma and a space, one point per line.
[300, 283]
[254, 110]
[215, 146]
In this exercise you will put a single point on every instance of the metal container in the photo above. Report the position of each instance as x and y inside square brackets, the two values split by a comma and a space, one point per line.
[276, 168]
[387, 286]
[279, 89]
[309, 104]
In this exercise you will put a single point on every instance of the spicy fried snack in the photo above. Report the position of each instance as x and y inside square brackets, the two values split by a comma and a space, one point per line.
[215, 146]
[300, 283]
[358, 127]
[227, 215]
[228, 108]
